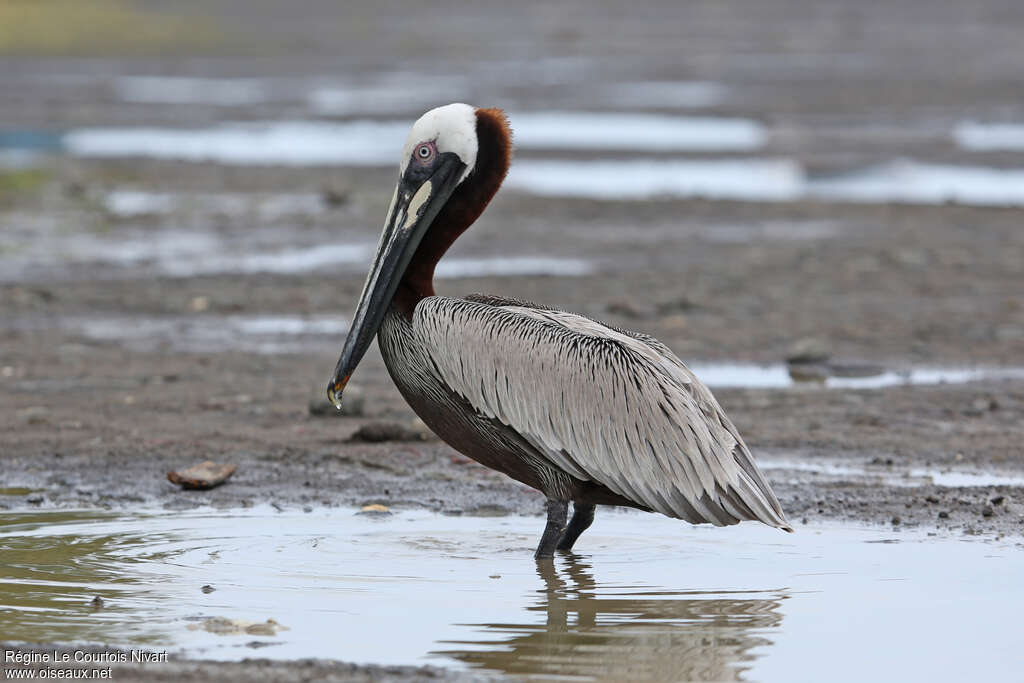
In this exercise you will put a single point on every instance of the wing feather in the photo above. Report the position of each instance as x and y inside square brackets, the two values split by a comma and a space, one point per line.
[600, 404]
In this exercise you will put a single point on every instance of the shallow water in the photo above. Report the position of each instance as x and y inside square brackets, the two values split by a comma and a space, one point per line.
[986, 137]
[269, 334]
[769, 180]
[888, 475]
[780, 376]
[645, 598]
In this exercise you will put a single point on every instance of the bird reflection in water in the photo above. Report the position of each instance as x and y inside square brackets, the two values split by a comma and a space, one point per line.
[620, 632]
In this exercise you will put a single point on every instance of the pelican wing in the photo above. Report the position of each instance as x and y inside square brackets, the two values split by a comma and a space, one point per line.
[600, 404]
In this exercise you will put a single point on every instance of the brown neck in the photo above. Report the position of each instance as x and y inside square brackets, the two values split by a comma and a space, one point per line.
[465, 205]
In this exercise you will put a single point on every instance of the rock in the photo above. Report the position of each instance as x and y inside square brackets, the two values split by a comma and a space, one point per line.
[377, 432]
[808, 350]
[987, 511]
[998, 500]
[895, 521]
[207, 588]
[353, 402]
[97, 602]
[205, 475]
[943, 514]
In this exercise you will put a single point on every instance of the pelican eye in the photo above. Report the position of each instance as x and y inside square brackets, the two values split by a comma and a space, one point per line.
[424, 151]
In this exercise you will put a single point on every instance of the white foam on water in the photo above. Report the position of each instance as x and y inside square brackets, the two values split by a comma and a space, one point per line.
[227, 92]
[986, 137]
[741, 179]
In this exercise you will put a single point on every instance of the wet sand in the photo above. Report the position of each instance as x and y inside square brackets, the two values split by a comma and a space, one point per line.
[109, 378]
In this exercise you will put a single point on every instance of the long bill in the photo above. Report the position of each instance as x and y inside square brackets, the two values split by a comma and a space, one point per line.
[412, 211]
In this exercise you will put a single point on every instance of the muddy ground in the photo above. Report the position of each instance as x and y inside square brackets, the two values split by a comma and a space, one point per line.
[98, 422]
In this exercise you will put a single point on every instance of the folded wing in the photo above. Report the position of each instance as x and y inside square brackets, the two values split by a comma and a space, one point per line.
[600, 404]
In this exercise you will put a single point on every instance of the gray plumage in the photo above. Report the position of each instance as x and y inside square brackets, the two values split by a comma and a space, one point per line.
[580, 403]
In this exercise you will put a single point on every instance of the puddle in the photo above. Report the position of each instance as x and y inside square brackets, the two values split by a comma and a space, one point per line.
[46, 254]
[135, 203]
[986, 137]
[212, 333]
[780, 376]
[647, 132]
[890, 475]
[647, 598]
[379, 143]
[776, 180]
[511, 266]
[910, 182]
[289, 143]
[739, 179]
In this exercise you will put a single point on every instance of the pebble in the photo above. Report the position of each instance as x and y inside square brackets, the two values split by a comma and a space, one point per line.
[943, 514]
[377, 432]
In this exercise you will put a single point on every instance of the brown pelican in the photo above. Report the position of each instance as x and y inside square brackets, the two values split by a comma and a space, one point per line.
[581, 411]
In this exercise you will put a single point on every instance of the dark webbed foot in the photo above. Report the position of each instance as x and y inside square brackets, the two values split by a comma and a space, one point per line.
[558, 510]
[582, 518]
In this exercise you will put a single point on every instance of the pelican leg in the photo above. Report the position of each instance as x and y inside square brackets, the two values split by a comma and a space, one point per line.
[582, 518]
[558, 510]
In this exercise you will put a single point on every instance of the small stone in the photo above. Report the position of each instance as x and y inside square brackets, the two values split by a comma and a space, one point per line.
[932, 499]
[987, 511]
[205, 475]
[998, 500]
[895, 521]
[377, 432]
[97, 602]
[35, 499]
[943, 514]
[207, 588]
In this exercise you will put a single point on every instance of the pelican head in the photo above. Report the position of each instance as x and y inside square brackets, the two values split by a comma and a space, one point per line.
[437, 172]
